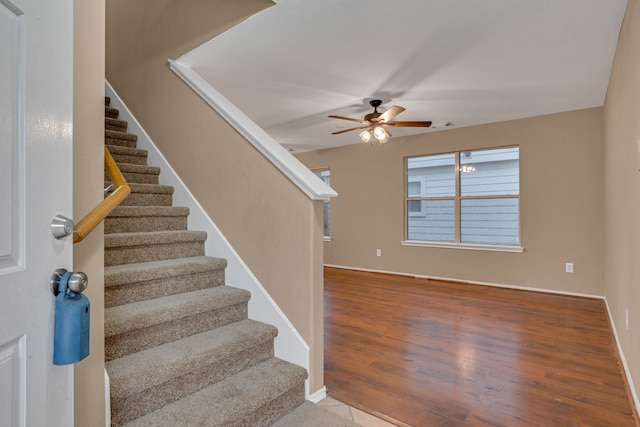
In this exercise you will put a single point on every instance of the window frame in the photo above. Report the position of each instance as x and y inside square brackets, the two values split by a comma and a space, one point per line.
[458, 198]
[327, 238]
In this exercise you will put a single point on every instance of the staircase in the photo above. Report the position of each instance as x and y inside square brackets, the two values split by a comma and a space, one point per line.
[179, 347]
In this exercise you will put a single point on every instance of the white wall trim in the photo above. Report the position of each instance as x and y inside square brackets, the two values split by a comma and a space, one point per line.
[107, 399]
[625, 367]
[289, 345]
[318, 395]
[467, 246]
[291, 167]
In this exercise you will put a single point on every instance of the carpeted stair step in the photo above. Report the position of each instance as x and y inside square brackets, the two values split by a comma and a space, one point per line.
[122, 139]
[115, 124]
[148, 195]
[132, 219]
[142, 281]
[137, 174]
[150, 379]
[111, 112]
[255, 397]
[123, 155]
[129, 248]
[141, 325]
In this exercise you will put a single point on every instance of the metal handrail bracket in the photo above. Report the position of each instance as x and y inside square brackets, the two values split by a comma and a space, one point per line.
[87, 224]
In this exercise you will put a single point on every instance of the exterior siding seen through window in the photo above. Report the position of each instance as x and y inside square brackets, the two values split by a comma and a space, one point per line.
[464, 197]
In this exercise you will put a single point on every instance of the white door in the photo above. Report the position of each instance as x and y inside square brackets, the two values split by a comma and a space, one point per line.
[36, 59]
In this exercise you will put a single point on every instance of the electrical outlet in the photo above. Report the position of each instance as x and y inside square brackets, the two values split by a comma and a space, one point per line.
[568, 267]
[378, 252]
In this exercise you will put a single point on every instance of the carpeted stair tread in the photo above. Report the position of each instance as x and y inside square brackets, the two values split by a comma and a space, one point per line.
[115, 134]
[123, 155]
[143, 314]
[131, 168]
[117, 150]
[254, 397]
[117, 240]
[149, 188]
[132, 219]
[142, 211]
[141, 325]
[129, 283]
[124, 139]
[152, 367]
[111, 112]
[115, 124]
[144, 271]
[148, 195]
[311, 415]
[137, 174]
[127, 248]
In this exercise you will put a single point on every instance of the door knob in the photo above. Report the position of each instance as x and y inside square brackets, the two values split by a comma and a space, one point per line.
[76, 281]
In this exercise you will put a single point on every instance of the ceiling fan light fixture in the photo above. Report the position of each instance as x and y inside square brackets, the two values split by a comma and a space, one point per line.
[365, 135]
[381, 134]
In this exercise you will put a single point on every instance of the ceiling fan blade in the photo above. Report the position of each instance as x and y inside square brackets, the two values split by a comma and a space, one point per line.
[391, 112]
[346, 118]
[424, 124]
[349, 130]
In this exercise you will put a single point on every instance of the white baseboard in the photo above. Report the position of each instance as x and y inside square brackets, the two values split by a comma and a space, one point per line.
[107, 399]
[625, 367]
[470, 282]
[316, 396]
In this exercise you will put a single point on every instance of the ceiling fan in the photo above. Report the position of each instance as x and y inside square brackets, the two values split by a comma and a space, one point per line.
[374, 124]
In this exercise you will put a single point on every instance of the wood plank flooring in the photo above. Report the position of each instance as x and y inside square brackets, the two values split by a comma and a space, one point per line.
[433, 353]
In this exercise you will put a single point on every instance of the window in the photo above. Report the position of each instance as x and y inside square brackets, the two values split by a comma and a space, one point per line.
[468, 198]
[325, 175]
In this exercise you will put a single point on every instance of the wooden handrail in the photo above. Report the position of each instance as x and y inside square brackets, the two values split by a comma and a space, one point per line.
[104, 208]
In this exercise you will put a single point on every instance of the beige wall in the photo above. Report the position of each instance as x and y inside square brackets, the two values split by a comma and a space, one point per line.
[88, 180]
[622, 190]
[561, 188]
[270, 223]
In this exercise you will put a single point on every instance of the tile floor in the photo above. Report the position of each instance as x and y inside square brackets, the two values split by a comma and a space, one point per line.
[353, 414]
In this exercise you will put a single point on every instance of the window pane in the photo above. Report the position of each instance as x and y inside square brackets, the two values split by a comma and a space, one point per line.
[490, 172]
[437, 223]
[414, 188]
[324, 175]
[437, 172]
[327, 219]
[414, 206]
[491, 221]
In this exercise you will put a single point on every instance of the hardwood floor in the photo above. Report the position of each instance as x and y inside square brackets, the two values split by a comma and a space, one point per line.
[434, 353]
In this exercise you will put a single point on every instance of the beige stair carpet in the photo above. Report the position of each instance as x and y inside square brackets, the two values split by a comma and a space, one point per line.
[179, 346]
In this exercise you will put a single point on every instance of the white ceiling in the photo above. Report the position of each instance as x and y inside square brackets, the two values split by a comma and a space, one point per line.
[466, 62]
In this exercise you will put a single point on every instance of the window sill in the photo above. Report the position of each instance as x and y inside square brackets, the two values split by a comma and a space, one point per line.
[468, 246]
[326, 238]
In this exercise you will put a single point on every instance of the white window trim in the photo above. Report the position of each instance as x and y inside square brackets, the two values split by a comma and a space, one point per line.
[468, 246]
